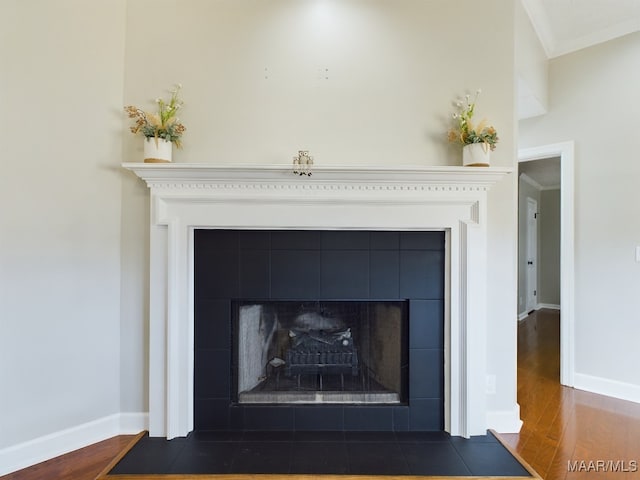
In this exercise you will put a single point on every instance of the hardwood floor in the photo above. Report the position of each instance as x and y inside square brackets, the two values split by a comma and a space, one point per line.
[561, 425]
[83, 464]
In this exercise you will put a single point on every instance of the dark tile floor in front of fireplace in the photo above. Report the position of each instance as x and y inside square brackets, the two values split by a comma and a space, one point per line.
[355, 453]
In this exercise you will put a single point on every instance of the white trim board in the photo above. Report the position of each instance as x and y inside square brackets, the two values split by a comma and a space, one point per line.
[186, 197]
[505, 421]
[527, 179]
[605, 386]
[44, 448]
[550, 306]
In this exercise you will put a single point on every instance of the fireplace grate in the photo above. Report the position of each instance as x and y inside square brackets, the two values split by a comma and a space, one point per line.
[319, 352]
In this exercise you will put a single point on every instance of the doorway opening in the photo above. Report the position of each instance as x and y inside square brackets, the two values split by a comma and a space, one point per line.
[562, 153]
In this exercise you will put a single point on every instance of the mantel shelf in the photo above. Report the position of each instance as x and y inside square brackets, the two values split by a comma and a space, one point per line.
[156, 174]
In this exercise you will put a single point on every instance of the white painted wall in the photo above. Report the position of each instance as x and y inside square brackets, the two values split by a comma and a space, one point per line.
[61, 86]
[531, 67]
[593, 99]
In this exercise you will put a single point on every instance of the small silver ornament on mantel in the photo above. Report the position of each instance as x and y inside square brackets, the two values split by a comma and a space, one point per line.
[302, 163]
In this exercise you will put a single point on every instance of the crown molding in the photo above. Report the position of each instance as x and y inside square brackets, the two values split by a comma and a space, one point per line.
[527, 179]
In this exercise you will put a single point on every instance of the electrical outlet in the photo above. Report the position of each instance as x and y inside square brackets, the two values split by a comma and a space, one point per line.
[490, 388]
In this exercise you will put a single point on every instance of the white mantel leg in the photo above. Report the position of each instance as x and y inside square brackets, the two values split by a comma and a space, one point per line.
[157, 331]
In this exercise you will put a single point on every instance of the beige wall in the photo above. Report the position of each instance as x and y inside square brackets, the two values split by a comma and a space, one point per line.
[393, 67]
[60, 96]
[532, 67]
[593, 98]
[549, 280]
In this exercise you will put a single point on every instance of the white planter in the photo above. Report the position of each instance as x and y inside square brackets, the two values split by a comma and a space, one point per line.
[476, 155]
[157, 150]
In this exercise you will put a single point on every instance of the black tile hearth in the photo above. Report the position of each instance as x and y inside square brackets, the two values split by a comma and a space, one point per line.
[317, 453]
[320, 458]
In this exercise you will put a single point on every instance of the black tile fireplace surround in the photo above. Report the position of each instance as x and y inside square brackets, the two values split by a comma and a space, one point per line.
[235, 265]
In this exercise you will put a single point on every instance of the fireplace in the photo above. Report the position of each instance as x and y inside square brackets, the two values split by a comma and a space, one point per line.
[319, 329]
[319, 352]
[186, 198]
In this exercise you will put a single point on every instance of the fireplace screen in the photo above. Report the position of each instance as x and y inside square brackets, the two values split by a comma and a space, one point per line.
[310, 352]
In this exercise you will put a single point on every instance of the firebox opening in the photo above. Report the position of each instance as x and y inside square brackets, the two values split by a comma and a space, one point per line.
[320, 352]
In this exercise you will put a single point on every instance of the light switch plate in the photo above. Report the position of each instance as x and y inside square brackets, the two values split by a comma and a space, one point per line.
[491, 385]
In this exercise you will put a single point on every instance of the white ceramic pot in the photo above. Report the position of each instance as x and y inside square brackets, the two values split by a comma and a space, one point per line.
[476, 155]
[157, 150]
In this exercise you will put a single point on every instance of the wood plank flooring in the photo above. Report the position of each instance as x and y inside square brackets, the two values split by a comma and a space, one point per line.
[563, 425]
[83, 464]
[560, 424]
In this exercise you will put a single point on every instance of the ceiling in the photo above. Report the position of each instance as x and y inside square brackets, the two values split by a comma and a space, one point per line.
[565, 26]
[543, 174]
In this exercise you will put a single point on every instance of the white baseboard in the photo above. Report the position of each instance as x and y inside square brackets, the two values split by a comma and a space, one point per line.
[44, 448]
[505, 421]
[604, 386]
[551, 306]
[133, 423]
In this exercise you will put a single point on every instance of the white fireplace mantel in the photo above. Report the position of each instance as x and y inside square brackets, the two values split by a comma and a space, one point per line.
[185, 197]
